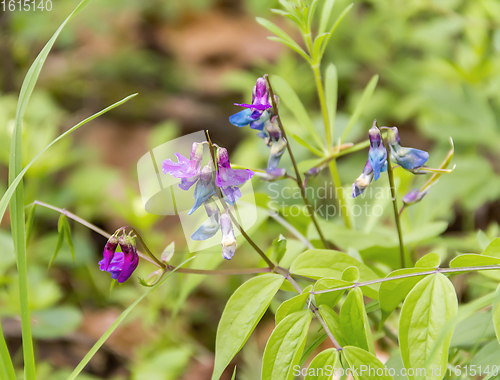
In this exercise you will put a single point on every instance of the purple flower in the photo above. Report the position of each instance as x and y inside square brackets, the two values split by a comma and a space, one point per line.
[272, 175]
[275, 140]
[122, 264]
[255, 114]
[228, 241]
[260, 99]
[187, 170]
[415, 196]
[377, 155]
[229, 179]
[109, 252]
[363, 181]
[407, 158]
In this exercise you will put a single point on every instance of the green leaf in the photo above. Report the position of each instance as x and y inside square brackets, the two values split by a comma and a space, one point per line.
[332, 320]
[361, 361]
[292, 305]
[325, 15]
[322, 366]
[392, 293]
[60, 239]
[471, 259]
[354, 321]
[285, 346]
[493, 249]
[293, 103]
[331, 92]
[30, 222]
[68, 238]
[426, 311]
[351, 274]
[367, 94]
[311, 348]
[302, 142]
[279, 248]
[319, 263]
[330, 298]
[6, 368]
[240, 317]
[115, 324]
[317, 46]
[431, 260]
[282, 35]
[292, 46]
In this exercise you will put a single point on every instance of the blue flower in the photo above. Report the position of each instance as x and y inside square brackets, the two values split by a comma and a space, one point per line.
[205, 187]
[210, 227]
[276, 142]
[377, 155]
[407, 158]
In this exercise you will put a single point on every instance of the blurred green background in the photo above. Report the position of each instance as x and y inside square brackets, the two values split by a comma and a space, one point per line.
[189, 61]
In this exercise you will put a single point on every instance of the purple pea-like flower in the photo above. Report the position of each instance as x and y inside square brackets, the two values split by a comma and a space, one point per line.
[255, 114]
[109, 252]
[260, 99]
[205, 187]
[210, 227]
[186, 169]
[363, 181]
[229, 179]
[228, 241]
[377, 155]
[414, 196]
[407, 158]
[122, 264]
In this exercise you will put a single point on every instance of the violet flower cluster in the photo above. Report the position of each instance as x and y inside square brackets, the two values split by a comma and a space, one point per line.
[410, 159]
[259, 115]
[228, 180]
[122, 264]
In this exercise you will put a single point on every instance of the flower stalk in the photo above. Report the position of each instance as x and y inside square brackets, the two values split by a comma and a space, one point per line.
[390, 174]
[300, 183]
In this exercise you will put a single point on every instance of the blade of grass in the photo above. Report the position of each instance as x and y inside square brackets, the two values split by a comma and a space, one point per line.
[6, 367]
[115, 324]
[17, 202]
[8, 194]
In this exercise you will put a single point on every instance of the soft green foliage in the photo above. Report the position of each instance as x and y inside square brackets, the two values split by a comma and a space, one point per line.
[241, 316]
[292, 305]
[426, 310]
[322, 364]
[285, 345]
[360, 360]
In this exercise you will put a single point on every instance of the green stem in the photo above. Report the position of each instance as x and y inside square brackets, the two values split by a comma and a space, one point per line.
[314, 309]
[333, 163]
[390, 174]
[408, 275]
[299, 181]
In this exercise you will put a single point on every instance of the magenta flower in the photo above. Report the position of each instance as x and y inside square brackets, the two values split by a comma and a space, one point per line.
[120, 265]
[229, 179]
[187, 170]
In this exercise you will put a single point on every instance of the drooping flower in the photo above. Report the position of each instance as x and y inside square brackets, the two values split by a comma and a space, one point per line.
[229, 179]
[276, 142]
[363, 181]
[109, 252]
[407, 158]
[205, 187]
[210, 227]
[415, 196]
[255, 114]
[187, 170]
[228, 241]
[272, 175]
[122, 264]
[377, 155]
